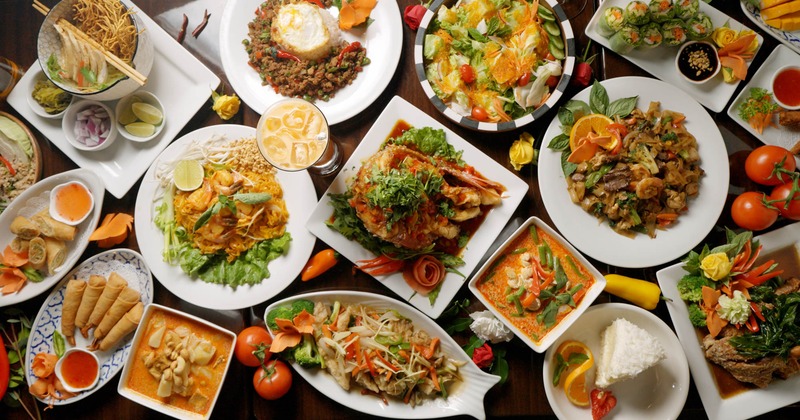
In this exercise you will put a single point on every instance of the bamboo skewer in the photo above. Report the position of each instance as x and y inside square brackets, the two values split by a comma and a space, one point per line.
[110, 57]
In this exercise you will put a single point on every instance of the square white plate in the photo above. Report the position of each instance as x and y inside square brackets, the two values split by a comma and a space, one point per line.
[660, 61]
[181, 82]
[746, 404]
[516, 188]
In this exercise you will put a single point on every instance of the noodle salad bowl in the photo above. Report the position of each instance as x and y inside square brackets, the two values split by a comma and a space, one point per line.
[492, 69]
[71, 65]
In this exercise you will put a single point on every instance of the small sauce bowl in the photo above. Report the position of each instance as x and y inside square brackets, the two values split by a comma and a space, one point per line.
[697, 61]
[786, 87]
[71, 203]
[78, 370]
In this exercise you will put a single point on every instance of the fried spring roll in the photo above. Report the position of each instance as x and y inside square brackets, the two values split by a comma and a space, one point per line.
[69, 309]
[37, 252]
[18, 244]
[124, 302]
[56, 254]
[53, 228]
[93, 291]
[24, 228]
[115, 285]
[122, 328]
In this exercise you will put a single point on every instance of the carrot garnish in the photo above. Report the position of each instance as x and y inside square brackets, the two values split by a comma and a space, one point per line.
[14, 259]
[291, 332]
[113, 231]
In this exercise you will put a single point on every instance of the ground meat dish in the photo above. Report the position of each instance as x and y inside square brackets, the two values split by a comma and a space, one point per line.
[291, 76]
[13, 185]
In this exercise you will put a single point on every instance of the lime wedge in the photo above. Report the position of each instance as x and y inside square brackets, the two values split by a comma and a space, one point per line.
[188, 175]
[126, 116]
[147, 113]
[140, 129]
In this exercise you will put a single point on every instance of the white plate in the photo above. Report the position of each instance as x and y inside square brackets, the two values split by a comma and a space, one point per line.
[749, 403]
[657, 393]
[31, 202]
[383, 40]
[300, 197]
[776, 135]
[660, 61]
[597, 239]
[790, 39]
[399, 109]
[181, 82]
[464, 399]
[127, 263]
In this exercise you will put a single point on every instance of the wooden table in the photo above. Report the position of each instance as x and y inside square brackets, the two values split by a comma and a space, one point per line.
[522, 396]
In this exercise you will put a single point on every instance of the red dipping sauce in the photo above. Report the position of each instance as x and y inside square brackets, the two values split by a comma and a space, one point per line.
[79, 369]
[786, 87]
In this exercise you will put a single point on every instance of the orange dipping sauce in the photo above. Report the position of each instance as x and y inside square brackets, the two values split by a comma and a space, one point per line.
[72, 202]
[79, 369]
[786, 87]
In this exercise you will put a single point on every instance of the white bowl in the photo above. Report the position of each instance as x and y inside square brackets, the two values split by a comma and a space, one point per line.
[66, 384]
[49, 42]
[38, 109]
[70, 118]
[772, 86]
[561, 326]
[714, 59]
[148, 98]
[57, 216]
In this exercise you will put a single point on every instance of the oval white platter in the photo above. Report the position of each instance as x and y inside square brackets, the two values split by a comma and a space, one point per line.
[466, 399]
[125, 262]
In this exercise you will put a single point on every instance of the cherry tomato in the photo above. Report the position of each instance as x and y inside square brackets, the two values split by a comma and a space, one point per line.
[524, 79]
[250, 344]
[781, 192]
[272, 381]
[551, 81]
[750, 212]
[762, 161]
[602, 402]
[467, 73]
[479, 113]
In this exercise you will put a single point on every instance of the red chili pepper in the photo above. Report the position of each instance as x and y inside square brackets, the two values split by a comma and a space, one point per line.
[10, 168]
[350, 48]
[317, 2]
[412, 15]
[286, 55]
[380, 265]
[619, 132]
[182, 33]
[5, 369]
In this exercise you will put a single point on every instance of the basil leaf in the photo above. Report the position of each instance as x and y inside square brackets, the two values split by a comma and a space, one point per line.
[559, 142]
[204, 218]
[567, 167]
[253, 198]
[622, 107]
[598, 98]
[58, 344]
[565, 116]
[561, 366]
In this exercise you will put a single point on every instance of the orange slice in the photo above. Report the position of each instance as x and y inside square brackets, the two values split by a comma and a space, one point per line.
[575, 382]
[592, 123]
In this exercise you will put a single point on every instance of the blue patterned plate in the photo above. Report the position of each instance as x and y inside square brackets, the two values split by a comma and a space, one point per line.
[127, 263]
[790, 39]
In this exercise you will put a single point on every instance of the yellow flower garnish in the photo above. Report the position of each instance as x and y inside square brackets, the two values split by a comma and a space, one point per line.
[716, 266]
[521, 152]
[723, 36]
[226, 106]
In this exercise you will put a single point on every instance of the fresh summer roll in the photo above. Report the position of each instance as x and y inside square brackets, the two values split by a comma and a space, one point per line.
[636, 13]
[661, 10]
[651, 35]
[674, 33]
[699, 27]
[611, 21]
[626, 39]
[686, 9]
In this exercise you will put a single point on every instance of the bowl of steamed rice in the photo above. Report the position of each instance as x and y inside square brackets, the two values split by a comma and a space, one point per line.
[81, 69]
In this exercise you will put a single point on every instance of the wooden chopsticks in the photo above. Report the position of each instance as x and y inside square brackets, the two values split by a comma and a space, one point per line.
[109, 56]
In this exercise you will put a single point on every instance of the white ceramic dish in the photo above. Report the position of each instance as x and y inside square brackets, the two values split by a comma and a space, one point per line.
[182, 82]
[300, 197]
[54, 213]
[749, 403]
[398, 109]
[657, 393]
[597, 239]
[60, 368]
[659, 61]
[790, 39]
[466, 399]
[157, 405]
[69, 121]
[383, 40]
[148, 98]
[35, 107]
[33, 200]
[127, 263]
[36, 154]
[552, 335]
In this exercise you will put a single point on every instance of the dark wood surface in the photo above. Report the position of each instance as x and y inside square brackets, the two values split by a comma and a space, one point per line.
[523, 395]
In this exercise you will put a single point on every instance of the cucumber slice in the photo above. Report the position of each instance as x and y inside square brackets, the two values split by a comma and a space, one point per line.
[558, 53]
[557, 41]
[552, 28]
[546, 14]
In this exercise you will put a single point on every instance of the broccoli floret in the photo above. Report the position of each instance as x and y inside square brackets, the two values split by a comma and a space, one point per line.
[282, 312]
[299, 305]
[697, 316]
[306, 353]
[690, 287]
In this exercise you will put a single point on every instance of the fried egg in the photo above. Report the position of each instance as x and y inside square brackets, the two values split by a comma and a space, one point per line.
[305, 30]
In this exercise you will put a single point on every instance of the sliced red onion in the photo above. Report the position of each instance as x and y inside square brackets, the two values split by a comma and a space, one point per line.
[93, 126]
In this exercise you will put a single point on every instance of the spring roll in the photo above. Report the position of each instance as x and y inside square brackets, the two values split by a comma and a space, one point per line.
[125, 326]
[53, 228]
[124, 302]
[24, 228]
[56, 254]
[37, 252]
[93, 291]
[114, 287]
[18, 244]
[69, 309]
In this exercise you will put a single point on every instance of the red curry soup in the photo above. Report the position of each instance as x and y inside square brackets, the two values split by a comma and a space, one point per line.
[535, 283]
[179, 362]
